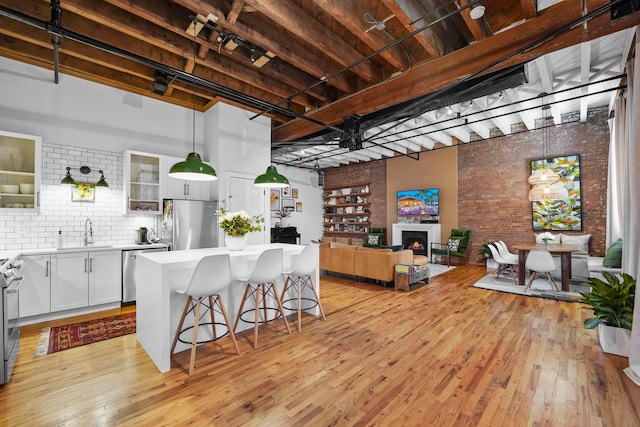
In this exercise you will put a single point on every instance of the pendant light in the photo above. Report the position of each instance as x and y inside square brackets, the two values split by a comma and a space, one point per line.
[546, 183]
[68, 179]
[193, 168]
[271, 178]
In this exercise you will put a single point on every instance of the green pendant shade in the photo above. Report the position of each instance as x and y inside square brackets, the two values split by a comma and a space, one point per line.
[271, 178]
[68, 179]
[193, 169]
[102, 182]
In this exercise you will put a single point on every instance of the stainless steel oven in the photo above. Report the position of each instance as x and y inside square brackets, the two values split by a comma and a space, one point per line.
[10, 281]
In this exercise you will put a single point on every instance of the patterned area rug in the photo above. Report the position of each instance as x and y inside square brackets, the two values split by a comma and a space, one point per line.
[60, 338]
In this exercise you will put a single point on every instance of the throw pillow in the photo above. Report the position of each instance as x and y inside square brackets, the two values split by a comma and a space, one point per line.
[555, 241]
[373, 239]
[579, 240]
[453, 245]
[613, 258]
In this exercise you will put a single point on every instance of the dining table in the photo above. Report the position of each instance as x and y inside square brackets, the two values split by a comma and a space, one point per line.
[565, 260]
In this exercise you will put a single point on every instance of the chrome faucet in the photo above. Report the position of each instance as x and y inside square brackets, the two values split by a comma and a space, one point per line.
[88, 232]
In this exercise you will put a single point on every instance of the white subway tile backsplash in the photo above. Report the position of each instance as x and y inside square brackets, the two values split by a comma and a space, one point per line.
[26, 231]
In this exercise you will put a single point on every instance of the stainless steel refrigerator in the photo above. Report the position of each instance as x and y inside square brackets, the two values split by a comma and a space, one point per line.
[189, 224]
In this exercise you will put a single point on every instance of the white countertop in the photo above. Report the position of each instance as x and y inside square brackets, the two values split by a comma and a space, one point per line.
[13, 254]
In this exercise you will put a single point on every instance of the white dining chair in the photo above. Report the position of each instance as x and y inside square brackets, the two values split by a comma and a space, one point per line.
[504, 265]
[504, 251]
[539, 262]
[210, 277]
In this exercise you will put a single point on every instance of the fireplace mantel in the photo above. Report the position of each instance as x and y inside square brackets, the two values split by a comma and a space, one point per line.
[433, 233]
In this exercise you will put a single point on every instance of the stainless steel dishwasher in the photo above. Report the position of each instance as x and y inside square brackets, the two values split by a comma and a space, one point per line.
[129, 270]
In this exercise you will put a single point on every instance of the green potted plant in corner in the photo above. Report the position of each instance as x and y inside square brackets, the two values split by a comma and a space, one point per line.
[484, 252]
[612, 303]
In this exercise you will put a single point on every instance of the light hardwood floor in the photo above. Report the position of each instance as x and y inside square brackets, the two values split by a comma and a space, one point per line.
[443, 354]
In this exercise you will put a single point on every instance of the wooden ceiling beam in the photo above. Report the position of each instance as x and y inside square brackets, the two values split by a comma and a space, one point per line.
[440, 73]
[295, 52]
[426, 38]
[144, 31]
[350, 14]
[163, 14]
[299, 23]
[474, 24]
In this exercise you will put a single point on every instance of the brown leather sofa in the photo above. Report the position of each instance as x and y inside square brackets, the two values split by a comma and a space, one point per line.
[358, 261]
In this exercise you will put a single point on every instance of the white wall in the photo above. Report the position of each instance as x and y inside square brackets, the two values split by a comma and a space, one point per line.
[84, 123]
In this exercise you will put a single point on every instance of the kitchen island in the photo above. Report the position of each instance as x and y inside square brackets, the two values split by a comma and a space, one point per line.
[159, 309]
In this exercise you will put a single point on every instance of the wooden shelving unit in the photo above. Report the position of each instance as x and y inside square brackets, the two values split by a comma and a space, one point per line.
[346, 210]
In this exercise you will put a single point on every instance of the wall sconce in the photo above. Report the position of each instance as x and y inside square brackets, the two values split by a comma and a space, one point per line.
[85, 170]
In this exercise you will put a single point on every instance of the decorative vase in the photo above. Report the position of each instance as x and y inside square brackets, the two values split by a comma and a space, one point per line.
[235, 243]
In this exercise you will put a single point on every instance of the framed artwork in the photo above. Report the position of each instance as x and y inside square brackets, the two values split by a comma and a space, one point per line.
[83, 193]
[560, 214]
[288, 204]
[274, 200]
[298, 206]
[294, 193]
[286, 192]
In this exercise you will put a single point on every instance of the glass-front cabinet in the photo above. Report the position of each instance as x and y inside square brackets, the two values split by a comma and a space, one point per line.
[20, 166]
[142, 183]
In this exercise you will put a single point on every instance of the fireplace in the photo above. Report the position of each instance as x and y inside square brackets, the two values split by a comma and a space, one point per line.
[417, 241]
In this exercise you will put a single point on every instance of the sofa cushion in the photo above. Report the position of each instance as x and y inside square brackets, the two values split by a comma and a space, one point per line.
[613, 257]
[579, 240]
[341, 245]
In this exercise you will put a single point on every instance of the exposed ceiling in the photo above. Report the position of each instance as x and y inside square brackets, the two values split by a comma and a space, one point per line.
[413, 74]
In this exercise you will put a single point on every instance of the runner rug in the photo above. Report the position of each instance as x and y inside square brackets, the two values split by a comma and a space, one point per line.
[59, 338]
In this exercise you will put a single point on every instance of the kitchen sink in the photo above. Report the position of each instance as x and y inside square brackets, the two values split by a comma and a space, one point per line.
[82, 247]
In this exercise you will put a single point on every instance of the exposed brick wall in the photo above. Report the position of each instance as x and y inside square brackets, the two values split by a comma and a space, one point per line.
[493, 187]
[374, 172]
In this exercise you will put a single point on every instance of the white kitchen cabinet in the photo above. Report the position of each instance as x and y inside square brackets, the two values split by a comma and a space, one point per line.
[141, 183]
[173, 188]
[35, 291]
[20, 171]
[105, 280]
[69, 280]
[82, 279]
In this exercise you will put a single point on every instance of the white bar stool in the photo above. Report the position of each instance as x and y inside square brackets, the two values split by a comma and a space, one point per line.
[211, 276]
[300, 277]
[260, 284]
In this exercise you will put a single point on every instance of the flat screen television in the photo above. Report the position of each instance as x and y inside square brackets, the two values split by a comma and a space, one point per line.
[419, 202]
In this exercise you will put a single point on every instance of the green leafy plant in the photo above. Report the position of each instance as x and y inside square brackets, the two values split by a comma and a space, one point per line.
[611, 301]
[485, 252]
[238, 223]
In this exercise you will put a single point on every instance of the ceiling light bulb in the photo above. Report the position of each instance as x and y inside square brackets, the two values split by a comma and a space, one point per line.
[477, 12]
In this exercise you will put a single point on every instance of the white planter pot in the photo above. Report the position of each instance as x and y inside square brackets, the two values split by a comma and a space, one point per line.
[615, 340]
[234, 243]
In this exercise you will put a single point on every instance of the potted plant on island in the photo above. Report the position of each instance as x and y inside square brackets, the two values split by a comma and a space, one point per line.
[236, 225]
[612, 302]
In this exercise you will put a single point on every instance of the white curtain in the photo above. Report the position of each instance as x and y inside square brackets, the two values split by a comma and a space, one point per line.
[631, 198]
[617, 143]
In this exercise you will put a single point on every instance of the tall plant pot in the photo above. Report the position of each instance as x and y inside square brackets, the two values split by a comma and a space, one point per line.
[614, 340]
